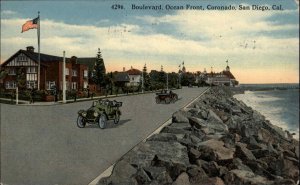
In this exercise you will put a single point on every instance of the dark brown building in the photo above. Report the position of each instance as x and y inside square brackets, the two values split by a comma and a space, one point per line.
[25, 62]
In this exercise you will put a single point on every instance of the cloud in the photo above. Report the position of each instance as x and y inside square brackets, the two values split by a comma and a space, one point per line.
[207, 39]
[8, 12]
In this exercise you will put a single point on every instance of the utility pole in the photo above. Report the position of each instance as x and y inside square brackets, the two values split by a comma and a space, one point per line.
[167, 82]
[17, 96]
[64, 77]
[143, 81]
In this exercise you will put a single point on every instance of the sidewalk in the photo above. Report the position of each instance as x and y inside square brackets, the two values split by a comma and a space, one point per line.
[24, 102]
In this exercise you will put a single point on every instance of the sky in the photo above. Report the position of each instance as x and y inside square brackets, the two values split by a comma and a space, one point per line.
[260, 46]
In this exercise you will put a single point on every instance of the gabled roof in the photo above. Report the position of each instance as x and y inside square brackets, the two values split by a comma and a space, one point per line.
[122, 77]
[88, 61]
[44, 57]
[34, 56]
[228, 74]
[133, 71]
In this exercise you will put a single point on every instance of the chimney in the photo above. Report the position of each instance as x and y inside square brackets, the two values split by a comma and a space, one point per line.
[123, 69]
[30, 48]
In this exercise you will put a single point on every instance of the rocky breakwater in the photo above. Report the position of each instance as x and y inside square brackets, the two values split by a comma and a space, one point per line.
[217, 140]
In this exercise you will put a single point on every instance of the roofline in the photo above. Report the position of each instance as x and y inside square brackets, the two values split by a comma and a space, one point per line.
[23, 51]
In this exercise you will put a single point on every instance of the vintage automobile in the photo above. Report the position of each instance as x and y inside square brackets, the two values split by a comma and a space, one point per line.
[166, 96]
[99, 113]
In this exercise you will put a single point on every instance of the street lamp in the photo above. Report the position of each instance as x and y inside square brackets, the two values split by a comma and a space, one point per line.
[167, 82]
[142, 81]
[179, 71]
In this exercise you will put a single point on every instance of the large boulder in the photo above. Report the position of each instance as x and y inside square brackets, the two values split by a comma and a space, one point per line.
[216, 148]
[209, 127]
[245, 177]
[166, 137]
[159, 175]
[182, 179]
[196, 175]
[176, 129]
[180, 117]
[243, 153]
[213, 117]
[123, 173]
[169, 153]
[238, 164]
[212, 181]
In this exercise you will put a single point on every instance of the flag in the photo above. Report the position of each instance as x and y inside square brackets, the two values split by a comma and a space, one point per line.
[32, 24]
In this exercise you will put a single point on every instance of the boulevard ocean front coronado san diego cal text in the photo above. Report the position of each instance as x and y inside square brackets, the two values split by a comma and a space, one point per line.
[207, 7]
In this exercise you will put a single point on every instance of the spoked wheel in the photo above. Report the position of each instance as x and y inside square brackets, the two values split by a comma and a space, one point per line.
[157, 100]
[80, 122]
[167, 100]
[175, 98]
[117, 118]
[102, 121]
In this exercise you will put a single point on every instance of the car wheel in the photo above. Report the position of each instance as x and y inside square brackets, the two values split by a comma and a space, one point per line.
[175, 98]
[102, 121]
[80, 122]
[117, 118]
[157, 100]
[167, 100]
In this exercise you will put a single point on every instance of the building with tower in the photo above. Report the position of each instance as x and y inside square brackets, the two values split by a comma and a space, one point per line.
[223, 78]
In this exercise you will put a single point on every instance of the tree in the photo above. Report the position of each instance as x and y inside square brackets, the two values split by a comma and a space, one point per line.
[146, 78]
[99, 72]
[21, 78]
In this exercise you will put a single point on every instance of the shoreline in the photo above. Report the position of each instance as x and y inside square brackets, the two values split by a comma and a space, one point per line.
[217, 140]
[242, 88]
[253, 102]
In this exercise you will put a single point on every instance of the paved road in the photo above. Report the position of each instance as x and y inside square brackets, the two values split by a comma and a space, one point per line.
[41, 145]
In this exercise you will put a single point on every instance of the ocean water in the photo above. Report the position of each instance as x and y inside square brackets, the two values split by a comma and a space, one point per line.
[280, 107]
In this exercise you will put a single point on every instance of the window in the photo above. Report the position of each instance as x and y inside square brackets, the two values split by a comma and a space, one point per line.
[22, 58]
[31, 84]
[31, 70]
[31, 77]
[74, 85]
[12, 71]
[10, 85]
[68, 85]
[85, 84]
[74, 72]
[50, 84]
[67, 71]
[85, 73]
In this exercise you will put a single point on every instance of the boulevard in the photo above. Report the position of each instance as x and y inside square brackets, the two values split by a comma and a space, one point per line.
[42, 144]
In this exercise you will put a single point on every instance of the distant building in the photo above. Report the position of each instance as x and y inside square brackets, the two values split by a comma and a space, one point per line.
[223, 78]
[135, 77]
[121, 79]
[26, 62]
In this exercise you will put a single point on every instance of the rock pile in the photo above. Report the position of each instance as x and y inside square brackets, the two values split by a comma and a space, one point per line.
[217, 140]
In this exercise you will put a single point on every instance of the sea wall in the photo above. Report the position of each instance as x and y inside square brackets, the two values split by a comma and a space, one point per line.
[217, 140]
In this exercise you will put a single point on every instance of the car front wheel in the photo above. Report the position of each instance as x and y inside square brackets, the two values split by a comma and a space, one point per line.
[102, 121]
[157, 100]
[80, 122]
[117, 118]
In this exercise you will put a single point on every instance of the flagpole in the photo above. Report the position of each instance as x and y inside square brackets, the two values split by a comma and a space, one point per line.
[39, 55]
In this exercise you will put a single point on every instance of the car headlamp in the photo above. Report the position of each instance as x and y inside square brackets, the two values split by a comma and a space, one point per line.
[96, 114]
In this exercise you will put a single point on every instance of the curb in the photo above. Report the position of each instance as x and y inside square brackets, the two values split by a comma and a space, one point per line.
[109, 170]
[26, 103]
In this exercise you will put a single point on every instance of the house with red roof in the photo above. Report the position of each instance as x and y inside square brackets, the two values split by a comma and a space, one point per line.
[25, 62]
[135, 77]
